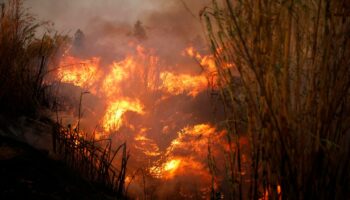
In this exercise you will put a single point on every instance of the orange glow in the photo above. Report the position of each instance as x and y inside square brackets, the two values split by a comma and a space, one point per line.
[180, 166]
[192, 139]
[112, 119]
[176, 84]
[266, 193]
[167, 170]
[120, 71]
[207, 61]
[171, 166]
[133, 84]
[279, 189]
[82, 73]
[146, 145]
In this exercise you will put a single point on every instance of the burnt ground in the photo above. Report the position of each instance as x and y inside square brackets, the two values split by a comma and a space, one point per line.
[27, 173]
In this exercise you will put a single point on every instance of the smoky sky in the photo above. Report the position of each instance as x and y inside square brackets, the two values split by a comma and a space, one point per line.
[170, 25]
[170, 15]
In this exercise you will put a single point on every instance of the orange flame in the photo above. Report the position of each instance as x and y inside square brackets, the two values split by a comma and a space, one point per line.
[146, 145]
[120, 72]
[183, 83]
[193, 139]
[186, 153]
[207, 61]
[82, 73]
[112, 119]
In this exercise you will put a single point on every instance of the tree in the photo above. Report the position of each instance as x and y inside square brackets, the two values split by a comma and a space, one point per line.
[79, 39]
[139, 31]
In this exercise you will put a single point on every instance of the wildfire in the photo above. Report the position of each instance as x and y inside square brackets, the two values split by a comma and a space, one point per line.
[193, 139]
[206, 61]
[183, 83]
[138, 84]
[167, 170]
[146, 145]
[172, 165]
[82, 73]
[120, 72]
[112, 119]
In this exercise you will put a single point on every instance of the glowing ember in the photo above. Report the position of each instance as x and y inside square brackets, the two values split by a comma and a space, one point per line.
[171, 166]
[167, 170]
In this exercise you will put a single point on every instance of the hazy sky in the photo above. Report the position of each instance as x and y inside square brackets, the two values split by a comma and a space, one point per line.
[68, 15]
[170, 26]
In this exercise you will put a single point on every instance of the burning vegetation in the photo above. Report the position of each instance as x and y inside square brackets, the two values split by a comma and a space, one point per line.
[262, 113]
[130, 91]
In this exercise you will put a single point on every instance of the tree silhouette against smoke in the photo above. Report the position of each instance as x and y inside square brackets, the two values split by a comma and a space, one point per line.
[139, 31]
[79, 41]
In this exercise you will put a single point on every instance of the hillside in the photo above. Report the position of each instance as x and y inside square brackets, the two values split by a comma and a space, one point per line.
[27, 173]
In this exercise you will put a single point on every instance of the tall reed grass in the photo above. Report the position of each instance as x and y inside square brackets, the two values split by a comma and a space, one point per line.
[92, 159]
[24, 60]
[293, 63]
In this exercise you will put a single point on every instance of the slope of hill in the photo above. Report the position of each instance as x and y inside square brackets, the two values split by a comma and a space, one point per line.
[27, 173]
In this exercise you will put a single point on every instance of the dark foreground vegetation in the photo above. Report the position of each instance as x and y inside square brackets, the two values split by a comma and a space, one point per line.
[293, 63]
[24, 61]
[27, 173]
[92, 159]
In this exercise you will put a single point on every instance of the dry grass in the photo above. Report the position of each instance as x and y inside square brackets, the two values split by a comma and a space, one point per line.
[293, 62]
[24, 60]
[92, 159]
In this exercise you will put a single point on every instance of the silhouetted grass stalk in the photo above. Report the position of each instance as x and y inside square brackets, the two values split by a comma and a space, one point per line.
[293, 62]
[92, 158]
[24, 61]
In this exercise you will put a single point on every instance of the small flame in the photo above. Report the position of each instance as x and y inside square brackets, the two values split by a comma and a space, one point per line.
[176, 84]
[146, 145]
[206, 61]
[82, 73]
[167, 170]
[177, 162]
[112, 119]
[171, 166]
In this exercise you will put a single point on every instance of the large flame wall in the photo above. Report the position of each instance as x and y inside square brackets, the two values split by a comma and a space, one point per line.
[164, 114]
